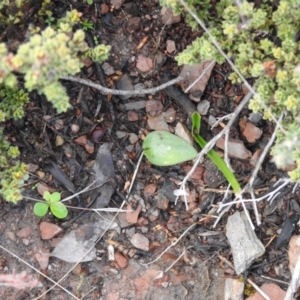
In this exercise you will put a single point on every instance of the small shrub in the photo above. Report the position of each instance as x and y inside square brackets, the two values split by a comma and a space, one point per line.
[263, 42]
[46, 56]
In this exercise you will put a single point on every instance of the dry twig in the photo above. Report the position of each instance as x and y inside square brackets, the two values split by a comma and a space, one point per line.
[106, 91]
[294, 284]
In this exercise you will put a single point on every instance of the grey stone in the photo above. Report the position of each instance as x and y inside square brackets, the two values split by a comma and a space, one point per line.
[124, 83]
[255, 117]
[234, 289]
[245, 246]
[134, 105]
[212, 120]
[203, 107]
[236, 148]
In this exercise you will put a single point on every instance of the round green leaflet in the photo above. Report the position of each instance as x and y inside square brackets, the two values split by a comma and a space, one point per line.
[59, 210]
[40, 209]
[165, 149]
[55, 197]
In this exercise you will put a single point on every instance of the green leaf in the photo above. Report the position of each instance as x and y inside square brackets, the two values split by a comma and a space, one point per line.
[213, 155]
[47, 196]
[55, 197]
[40, 209]
[165, 149]
[59, 210]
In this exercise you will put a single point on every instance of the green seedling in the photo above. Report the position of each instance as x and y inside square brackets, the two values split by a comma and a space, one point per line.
[166, 149]
[50, 20]
[216, 159]
[52, 201]
[86, 25]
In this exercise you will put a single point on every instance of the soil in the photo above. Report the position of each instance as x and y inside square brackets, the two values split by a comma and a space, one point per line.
[198, 271]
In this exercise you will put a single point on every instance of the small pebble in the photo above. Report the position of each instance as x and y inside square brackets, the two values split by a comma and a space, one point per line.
[255, 117]
[203, 107]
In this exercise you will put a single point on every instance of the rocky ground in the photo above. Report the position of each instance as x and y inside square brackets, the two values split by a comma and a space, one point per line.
[100, 139]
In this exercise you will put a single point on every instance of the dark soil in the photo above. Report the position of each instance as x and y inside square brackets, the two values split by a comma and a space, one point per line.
[199, 273]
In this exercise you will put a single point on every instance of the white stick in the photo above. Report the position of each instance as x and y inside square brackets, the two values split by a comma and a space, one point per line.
[294, 284]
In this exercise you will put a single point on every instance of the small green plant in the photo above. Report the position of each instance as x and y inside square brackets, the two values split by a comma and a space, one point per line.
[47, 57]
[13, 173]
[12, 103]
[165, 149]
[52, 201]
[50, 20]
[86, 25]
[213, 155]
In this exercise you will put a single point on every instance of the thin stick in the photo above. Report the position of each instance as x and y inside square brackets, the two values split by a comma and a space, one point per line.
[258, 289]
[201, 75]
[294, 284]
[106, 91]
[176, 260]
[226, 158]
[274, 279]
[172, 245]
[271, 195]
[265, 152]
[36, 270]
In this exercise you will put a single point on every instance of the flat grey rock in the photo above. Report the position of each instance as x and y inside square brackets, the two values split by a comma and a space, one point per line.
[203, 107]
[255, 117]
[234, 289]
[245, 246]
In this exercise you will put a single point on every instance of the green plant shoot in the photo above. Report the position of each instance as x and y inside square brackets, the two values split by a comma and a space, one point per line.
[166, 149]
[52, 201]
[216, 159]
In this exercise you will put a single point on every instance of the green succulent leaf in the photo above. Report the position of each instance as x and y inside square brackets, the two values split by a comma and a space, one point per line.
[47, 196]
[59, 210]
[55, 197]
[213, 155]
[40, 209]
[165, 149]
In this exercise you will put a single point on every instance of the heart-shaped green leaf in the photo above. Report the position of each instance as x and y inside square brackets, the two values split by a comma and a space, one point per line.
[40, 209]
[59, 210]
[55, 197]
[165, 149]
[46, 196]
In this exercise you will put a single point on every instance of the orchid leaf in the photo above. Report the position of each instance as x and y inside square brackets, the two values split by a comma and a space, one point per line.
[163, 148]
[213, 155]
